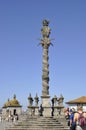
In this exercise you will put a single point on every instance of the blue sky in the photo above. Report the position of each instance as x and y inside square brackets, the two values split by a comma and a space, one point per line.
[21, 57]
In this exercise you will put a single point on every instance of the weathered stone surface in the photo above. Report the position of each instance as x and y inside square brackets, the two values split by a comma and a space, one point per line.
[38, 123]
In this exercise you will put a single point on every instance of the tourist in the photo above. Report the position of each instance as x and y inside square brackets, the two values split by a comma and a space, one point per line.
[66, 113]
[12, 118]
[15, 117]
[72, 124]
[41, 110]
[77, 119]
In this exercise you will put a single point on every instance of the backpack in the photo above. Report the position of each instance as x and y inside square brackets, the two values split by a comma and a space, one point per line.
[81, 120]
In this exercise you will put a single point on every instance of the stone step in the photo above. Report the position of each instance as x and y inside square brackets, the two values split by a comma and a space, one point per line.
[29, 126]
[37, 129]
[37, 123]
[37, 126]
[46, 128]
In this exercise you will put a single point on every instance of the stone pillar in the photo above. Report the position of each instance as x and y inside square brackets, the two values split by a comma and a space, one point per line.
[55, 105]
[36, 100]
[60, 103]
[55, 100]
[30, 107]
[30, 99]
[45, 42]
[36, 105]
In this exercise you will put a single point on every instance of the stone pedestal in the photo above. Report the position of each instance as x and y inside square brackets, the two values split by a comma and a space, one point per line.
[31, 110]
[58, 111]
[55, 112]
[62, 111]
[46, 106]
[36, 110]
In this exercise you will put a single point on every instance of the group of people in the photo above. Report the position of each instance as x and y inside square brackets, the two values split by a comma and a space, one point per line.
[76, 119]
[13, 118]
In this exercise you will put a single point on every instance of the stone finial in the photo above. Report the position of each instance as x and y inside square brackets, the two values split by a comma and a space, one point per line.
[60, 100]
[30, 100]
[45, 30]
[61, 96]
[36, 100]
[45, 22]
[14, 97]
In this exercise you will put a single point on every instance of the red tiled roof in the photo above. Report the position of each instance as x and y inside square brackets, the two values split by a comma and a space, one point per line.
[78, 100]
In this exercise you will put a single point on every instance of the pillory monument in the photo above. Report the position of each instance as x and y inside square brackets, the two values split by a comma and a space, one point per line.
[50, 107]
[45, 42]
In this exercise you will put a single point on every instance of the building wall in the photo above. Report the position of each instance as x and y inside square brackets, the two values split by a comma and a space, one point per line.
[10, 110]
[75, 106]
[18, 110]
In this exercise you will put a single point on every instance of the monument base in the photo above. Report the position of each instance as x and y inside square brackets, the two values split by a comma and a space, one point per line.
[46, 106]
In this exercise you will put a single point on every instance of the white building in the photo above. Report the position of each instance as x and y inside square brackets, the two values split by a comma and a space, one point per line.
[81, 101]
[11, 107]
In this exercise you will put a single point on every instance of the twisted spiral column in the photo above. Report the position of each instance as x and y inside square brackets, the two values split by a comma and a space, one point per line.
[45, 69]
[45, 42]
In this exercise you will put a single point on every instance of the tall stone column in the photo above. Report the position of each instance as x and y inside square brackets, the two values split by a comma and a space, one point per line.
[45, 42]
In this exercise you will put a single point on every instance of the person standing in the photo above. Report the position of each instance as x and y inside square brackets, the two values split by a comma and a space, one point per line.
[71, 120]
[79, 118]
